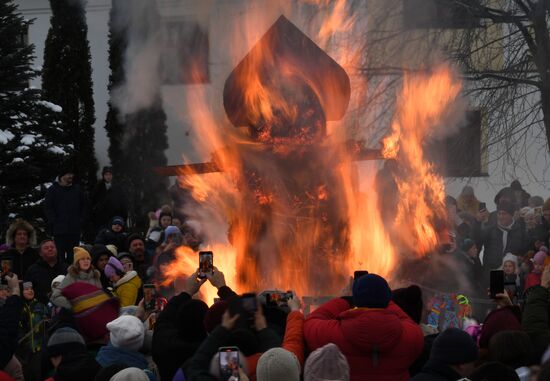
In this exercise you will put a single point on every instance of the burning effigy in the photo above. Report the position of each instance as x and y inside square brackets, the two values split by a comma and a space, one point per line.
[285, 191]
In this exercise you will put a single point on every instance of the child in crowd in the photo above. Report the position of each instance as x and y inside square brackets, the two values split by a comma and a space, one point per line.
[31, 332]
[512, 282]
[534, 277]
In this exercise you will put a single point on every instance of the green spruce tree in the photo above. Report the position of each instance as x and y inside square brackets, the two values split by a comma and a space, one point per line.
[31, 150]
[137, 140]
[67, 81]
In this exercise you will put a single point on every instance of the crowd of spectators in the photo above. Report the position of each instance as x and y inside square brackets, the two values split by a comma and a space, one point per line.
[102, 310]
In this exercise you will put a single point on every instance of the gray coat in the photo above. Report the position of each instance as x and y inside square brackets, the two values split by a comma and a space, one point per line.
[73, 276]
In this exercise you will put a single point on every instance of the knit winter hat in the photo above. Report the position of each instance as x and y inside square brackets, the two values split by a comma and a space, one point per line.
[126, 332]
[539, 258]
[112, 249]
[278, 364]
[501, 319]
[65, 340]
[410, 301]
[371, 291]
[326, 363]
[130, 374]
[453, 347]
[58, 279]
[117, 221]
[80, 253]
[113, 267]
[467, 244]
[170, 230]
[507, 207]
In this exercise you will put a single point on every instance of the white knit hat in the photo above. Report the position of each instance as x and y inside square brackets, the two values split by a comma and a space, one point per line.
[130, 374]
[58, 279]
[126, 332]
[509, 257]
[326, 363]
[278, 364]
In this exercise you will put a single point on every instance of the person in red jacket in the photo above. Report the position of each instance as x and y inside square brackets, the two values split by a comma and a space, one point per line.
[379, 340]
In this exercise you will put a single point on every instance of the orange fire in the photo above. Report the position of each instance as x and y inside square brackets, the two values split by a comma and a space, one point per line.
[423, 102]
[295, 216]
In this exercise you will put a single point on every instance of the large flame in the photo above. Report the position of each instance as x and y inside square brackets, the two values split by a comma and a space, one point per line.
[309, 225]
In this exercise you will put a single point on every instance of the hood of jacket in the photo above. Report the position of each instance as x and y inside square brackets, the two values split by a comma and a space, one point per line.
[109, 354]
[21, 225]
[127, 278]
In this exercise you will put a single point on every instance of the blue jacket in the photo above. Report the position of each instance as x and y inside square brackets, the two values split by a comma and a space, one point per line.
[109, 355]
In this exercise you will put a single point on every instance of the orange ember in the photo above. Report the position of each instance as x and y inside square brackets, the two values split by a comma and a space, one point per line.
[286, 209]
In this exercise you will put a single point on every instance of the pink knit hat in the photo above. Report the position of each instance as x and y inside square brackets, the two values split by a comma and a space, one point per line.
[539, 258]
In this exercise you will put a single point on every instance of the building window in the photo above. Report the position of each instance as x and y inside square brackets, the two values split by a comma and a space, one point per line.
[443, 14]
[185, 52]
[462, 154]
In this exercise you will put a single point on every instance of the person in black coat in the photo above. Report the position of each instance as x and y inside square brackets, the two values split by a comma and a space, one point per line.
[10, 313]
[452, 357]
[21, 237]
[108, 200]
[179, 329]
[114, 235]
[66, 209]
[507, 236]
[43, 271]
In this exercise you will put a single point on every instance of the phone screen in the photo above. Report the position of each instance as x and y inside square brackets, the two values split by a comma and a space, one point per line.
[229, 363]
[482, 206]
[359, 273]
[496, 283]
[149, 297]
[249, 303]
[206, 263]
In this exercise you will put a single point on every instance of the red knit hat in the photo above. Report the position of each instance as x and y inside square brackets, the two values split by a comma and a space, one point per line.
[502, 319]
[92, 308]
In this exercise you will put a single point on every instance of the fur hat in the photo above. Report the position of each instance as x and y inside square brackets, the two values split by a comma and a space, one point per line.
[278, 364]
[65, 340]
[58, 279]
[20, 224]
[80, 253]
[453, 347]
[127, 332]
[371, 291]
[326, 363]
[113, 267]
[410, 301]
[509, 257]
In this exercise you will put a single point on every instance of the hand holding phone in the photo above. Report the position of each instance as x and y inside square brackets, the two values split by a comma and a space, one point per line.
[206, 263]
[229, 363]
[149, 297]
[482, 206]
